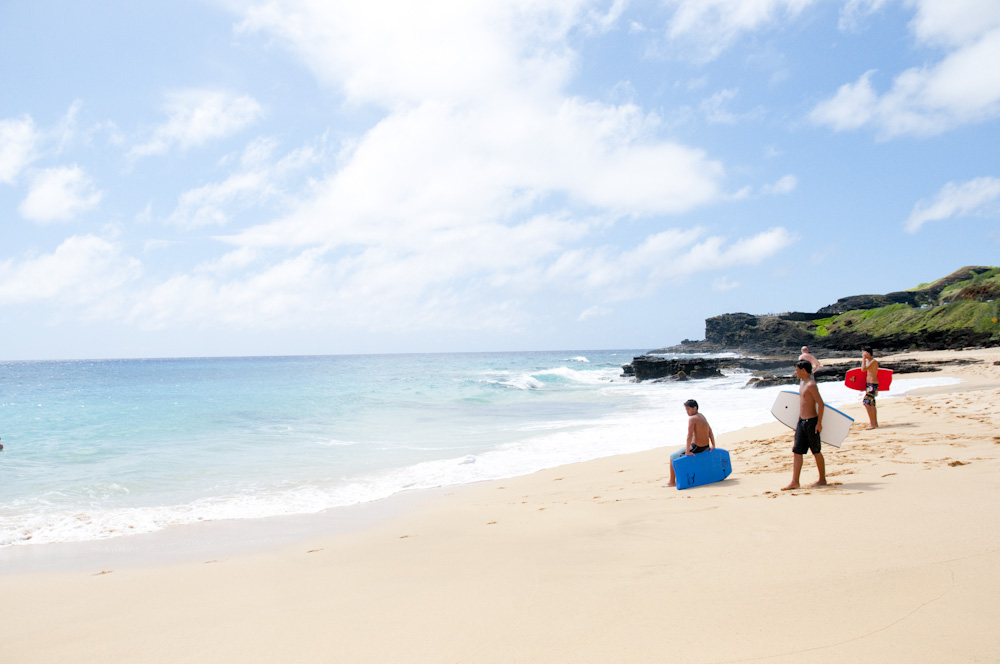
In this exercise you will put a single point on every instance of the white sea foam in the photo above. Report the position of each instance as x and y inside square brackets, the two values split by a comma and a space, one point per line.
[338, 443]
[525, 382]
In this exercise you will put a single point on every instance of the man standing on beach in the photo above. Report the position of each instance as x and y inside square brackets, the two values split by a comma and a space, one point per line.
[810, 358]
[809, 427]
[699, 438]
[870, 366]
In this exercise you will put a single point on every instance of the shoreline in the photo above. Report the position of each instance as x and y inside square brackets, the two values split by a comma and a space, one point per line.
[588, 562]
[191, 542]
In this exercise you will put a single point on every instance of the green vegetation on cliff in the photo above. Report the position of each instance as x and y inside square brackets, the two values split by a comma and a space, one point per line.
[964, 305]
[956, 311]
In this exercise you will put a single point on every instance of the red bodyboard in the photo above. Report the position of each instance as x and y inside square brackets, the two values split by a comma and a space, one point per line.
[855, 379]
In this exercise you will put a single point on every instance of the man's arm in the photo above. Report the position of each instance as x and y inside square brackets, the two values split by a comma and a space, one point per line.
[690, 438]
[711, 436]
[820, 406]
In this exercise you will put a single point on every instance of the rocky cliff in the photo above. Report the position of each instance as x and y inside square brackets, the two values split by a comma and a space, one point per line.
[958, 311]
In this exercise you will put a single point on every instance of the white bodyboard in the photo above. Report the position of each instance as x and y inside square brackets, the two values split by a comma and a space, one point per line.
[836, 425]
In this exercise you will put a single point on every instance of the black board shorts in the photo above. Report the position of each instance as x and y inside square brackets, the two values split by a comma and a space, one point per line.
[806, 438]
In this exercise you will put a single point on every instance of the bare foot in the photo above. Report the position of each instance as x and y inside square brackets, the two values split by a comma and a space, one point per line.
[791, 486]
[871, 426]
[671, 484]
[820, 483]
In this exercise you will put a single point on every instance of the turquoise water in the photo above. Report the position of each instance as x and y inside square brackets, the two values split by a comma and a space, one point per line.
[99, 449]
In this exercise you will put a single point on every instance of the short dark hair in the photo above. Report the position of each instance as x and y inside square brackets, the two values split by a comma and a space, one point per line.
[691, 403]
[867, 349]
[805, 365]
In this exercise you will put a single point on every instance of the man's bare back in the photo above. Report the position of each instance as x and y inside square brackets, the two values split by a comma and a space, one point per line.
[699, 432]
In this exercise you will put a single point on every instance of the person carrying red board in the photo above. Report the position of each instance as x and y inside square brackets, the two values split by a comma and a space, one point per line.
[870, 366]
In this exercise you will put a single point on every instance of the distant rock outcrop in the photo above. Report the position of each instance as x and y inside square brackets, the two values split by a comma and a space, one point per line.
[745, 331]
[766, 372]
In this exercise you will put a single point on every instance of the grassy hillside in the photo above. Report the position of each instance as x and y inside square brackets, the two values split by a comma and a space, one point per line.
[956, 307]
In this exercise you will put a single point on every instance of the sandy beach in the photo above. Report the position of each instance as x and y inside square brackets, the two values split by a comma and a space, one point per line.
[898, 560]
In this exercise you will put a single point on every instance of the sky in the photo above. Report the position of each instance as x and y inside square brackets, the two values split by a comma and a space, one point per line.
[302, 177]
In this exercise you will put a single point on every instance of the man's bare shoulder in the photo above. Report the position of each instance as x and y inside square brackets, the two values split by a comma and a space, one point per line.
[697, 421]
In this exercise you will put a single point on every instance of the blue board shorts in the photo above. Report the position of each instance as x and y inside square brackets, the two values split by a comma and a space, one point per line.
[806, 438]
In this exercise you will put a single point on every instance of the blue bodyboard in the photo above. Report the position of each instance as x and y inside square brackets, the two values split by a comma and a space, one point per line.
[705, 468]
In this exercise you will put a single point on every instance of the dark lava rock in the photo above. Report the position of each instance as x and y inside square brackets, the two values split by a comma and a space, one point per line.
[766, 372]
[650, 367]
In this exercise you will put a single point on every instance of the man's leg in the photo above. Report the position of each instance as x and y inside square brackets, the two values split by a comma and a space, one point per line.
[872, 416]
[821, 466]
[796, 471]
[676, 455]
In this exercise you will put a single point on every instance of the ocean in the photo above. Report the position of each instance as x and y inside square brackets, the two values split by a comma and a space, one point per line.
[111, 448]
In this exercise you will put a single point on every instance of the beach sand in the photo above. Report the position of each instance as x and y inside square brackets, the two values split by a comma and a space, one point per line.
[897, 561]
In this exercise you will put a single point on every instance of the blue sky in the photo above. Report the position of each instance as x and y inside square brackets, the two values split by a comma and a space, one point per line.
[302, 177]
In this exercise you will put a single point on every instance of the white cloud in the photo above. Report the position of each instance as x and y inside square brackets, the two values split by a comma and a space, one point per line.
[956, 200]
[962, 88]
[387, 53]
[59, 194]
[317, 289]
[454, 280]
[483, 185]
[208, 205]
[705, 28]
[17, 146]
[713, 254]
[66, 130]
[196, 117]
[259, 180]
[954, 23]
[713, 108]
[595, 311]
[784, 185]
[854, 11]
[723, 284]
[231, 262]
[851, 108]
[667, 257]
[81, 271]
[437, 168]
[607, 20]
[478, 130]
[479, 188]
